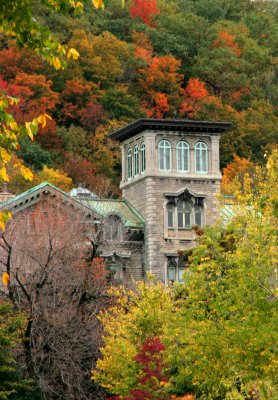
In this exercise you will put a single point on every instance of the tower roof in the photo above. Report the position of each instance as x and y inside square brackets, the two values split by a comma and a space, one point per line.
[174, 125]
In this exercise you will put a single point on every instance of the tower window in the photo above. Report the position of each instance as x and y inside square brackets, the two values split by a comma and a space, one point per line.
[143, 158]
[136, 160]
[184, 214]
[129, 164]
[164, 155]
[170, 215]
[201, 157]
[182, 156]
[199, 214]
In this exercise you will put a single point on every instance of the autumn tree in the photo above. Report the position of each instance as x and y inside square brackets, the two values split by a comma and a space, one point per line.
[145, 10]
[56, 279]
[219, 327]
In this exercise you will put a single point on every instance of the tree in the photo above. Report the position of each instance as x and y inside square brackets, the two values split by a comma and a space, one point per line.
[146, 10]
[219, 327]
[59, 283]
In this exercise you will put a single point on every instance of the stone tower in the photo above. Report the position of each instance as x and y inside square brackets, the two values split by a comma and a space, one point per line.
[171, 175]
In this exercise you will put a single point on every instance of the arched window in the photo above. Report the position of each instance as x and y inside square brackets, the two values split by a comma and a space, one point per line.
[143, 158]
[201, 157]
[199, 214]
[164, 155]
[184, 214]
[170, 215]
[182, 156]
[136, 160]
[129, 164]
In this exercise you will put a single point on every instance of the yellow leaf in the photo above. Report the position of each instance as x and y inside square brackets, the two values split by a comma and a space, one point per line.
[26, 173]
[56, 63]
[3, 175]
[5, 278]
[98, 3]
[29, 130]
[2, 225]
[73, 53]
[4, 155]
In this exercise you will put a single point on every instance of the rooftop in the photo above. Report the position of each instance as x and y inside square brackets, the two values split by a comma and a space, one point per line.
[178, 125]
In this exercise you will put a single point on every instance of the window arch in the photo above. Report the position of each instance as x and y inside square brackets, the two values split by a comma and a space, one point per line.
[201, 157]
[164, 155]
[136, 160]
[129, 164]
[170, 215]
[143, 158]
[184, 214]
[183, 156]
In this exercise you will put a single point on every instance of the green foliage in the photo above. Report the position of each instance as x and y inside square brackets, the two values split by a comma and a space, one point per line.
[11, 325]
[220, 327]
[34, 155]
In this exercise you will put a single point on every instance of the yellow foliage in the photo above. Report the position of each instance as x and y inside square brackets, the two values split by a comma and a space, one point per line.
[5, 278]
[56, 177]
[73, 53]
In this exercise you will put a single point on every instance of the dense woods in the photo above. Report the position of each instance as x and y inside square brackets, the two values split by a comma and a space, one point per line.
[206, 60]
[215, 336]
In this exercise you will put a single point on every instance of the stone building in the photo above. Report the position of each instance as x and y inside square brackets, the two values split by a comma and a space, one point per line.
[171, 175]
[170, 181]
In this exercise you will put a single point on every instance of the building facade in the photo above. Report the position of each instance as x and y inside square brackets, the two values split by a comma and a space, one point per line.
[170, 183]
[171, 175]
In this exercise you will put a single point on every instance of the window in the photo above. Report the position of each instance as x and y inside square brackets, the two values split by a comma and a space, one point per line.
[129, 164]
[201, 157]
[113, 228]
[182, 157]
[199, 215]
[170, 215]
[114, 270]
[164, 155]
[184, 214]
[143, 158]
[136, 160]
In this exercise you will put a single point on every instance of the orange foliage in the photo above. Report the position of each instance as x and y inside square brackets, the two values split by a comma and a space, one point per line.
[196, 89]
[145, 10]
[224, 39]
[143, 46]
[235, 171]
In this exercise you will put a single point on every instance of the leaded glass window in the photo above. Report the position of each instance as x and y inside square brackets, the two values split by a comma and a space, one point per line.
[164, 155]
[182, 156]
[201, 157]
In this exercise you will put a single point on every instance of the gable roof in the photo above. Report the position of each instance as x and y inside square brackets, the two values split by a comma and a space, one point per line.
[176, 125]
[130, 217]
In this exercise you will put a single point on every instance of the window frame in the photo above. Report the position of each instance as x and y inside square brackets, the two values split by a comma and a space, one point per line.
[136, 160]
[199, 148]
[143, 157]
[183, 151]
[164, 146]
[184, 212]
[129, 164]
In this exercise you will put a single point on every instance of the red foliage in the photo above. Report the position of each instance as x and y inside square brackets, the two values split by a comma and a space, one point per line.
[92, 116]
[145, 10]
[196, 89]
[224, 39]
[75, 99]
[143, 49]
[13, 61]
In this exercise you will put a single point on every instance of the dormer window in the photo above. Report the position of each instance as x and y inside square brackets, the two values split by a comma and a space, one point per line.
[129, 164]
[136, 160]
[143, 157]
[164, 156]
[113, 229]
[183, 156]
[201, 158]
